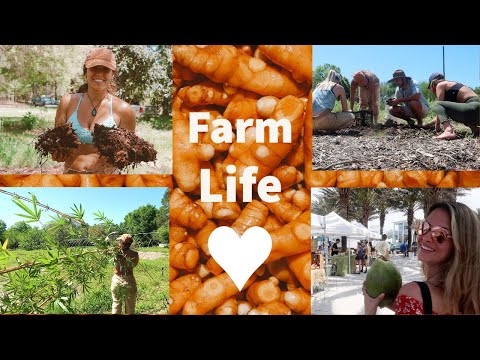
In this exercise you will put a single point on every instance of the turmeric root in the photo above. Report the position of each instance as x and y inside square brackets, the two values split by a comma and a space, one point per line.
[226, 64]
[264, 291]
[469, 178]
[283, 209]
[272, 223]
[201, 237]
[300, 265]
[288, 176]
[298, 300]
[184, 255]
[254, 214]
[180, 291]
[292, 238]
[184, 212]
[172, 273]
[70, 180]
[267, 156]
[273, 308]
[295, 58]
[450, 180]
[212, 293]
[229, 307]
[281, 271]
[111, 180]
[206, 93]
[213, 267]
[415, 179]
[243, 307]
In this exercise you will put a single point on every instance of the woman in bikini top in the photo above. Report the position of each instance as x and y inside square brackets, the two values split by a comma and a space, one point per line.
[97, 105]
[449, 249]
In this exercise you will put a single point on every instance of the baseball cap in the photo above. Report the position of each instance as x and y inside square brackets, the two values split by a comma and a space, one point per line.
[435, 76]
[101, 57]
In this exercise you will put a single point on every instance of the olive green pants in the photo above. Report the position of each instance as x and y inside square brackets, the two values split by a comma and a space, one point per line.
[467, 113]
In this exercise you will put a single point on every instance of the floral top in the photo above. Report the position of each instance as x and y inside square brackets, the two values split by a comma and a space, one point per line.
[407, 305]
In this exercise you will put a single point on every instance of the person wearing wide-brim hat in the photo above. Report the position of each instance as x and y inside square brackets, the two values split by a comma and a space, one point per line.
[124, 285]
[409, 102]
[456, 102]
[94, 103]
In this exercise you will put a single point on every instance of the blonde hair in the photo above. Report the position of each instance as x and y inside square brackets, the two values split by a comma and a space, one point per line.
[461, 272]
[330, 81]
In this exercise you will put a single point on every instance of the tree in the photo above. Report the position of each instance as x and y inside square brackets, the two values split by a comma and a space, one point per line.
[477, 90]
[321, 73]
[409, 201]
[363, 205]
[141, 220]
[162, 218]
[383, 202]
[32, 70]
[426, 92]
[387, 91]
[3, 228]
[144, 74]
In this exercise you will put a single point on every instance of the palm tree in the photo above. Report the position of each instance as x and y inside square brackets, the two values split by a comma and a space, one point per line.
[327, 200]
[409, 200]
[363, 205]
[383, 201]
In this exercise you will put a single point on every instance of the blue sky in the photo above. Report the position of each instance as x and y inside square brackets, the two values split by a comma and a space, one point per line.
[114, 202]
[462, 63]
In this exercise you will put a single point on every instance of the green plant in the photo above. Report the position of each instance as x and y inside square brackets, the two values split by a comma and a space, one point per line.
[97, 301]
[29, 120]
[159, 122]
[51, 281]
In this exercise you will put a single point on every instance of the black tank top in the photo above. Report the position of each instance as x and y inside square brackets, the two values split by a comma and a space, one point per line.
[451, 94]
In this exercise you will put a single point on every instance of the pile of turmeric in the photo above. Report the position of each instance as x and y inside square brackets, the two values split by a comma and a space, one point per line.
[240, 82]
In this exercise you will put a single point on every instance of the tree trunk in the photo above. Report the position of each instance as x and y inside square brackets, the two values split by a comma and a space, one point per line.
[55, 84]
[382, 216]
[365, 214]
[410, 212]
[344, 200]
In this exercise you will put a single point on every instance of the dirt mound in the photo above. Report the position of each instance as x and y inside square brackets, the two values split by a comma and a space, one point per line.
[122, 147]
[59, 138]
[399, 148]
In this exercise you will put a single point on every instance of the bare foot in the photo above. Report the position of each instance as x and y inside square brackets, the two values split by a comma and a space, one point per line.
[446, 135]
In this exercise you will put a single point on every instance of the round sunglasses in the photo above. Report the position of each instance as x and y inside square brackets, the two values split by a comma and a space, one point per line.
[439, 234]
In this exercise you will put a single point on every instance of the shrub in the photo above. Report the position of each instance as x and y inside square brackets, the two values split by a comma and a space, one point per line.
[29, 120]
[97, 301]
[158, 122]
[33, 239]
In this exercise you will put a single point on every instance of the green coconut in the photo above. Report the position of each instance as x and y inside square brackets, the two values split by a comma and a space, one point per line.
[383, 278]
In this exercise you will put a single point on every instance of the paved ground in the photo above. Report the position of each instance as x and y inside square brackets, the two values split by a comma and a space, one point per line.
[343, 295]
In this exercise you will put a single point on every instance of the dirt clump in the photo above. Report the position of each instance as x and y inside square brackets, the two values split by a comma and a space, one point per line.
[60, 138]
[122, 147]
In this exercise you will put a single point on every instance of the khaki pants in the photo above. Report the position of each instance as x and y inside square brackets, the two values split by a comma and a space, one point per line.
[372, 104]
[333, 121]
[124, 289]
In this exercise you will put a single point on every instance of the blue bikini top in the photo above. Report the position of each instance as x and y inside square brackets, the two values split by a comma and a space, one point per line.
[85, 136]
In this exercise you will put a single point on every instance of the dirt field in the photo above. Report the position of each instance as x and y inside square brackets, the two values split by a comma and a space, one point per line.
[399, 148]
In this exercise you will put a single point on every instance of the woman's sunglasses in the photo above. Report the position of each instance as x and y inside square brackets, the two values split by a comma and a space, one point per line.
[439, 234]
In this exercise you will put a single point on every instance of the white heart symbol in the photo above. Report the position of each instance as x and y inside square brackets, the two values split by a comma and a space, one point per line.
[240, 257]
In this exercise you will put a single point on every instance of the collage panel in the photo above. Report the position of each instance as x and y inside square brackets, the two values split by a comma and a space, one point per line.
[393, 107]
[225, 177]
[84, 250]
[395, 251]
[85, 109]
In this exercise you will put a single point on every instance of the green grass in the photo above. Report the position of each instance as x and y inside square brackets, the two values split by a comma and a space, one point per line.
[17, 147]
[151, 277]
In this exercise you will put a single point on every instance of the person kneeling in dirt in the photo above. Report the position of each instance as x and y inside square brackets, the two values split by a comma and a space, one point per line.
[95, 103]
[456, 102]
[369, 92]
[124, 286]
[408, 93]
[323, 101]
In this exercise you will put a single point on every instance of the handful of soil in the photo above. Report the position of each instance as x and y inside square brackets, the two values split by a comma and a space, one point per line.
[122, 147]
[57, 139]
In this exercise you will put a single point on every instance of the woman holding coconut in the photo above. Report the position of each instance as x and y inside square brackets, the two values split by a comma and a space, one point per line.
[449, 249]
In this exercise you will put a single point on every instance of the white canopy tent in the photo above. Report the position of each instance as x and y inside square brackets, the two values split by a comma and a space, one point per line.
[333, 224]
